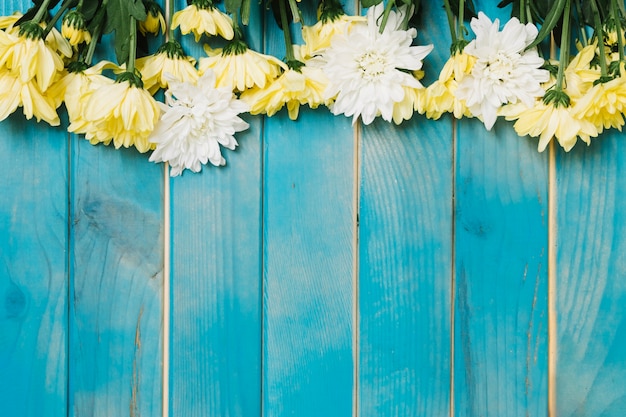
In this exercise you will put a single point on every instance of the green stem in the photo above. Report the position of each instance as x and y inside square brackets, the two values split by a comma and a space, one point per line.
[599, 36]
[385, 15]
[581, 27]
[132, 46]
[564, 53]
[618, 29]
[41, 12]
[66, 5]
[461, 30]
[451, 24]
[169, 34]
[284, 21]
[522, 12]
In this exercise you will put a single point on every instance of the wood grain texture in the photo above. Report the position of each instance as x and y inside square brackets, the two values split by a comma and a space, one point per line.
[590, 280]
[33, 268]
[501, 274]
[216, 277]
[405, 252]
[309, 226]
[116, 251]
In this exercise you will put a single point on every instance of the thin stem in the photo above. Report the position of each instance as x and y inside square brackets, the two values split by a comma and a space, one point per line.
[169, 16]
[564, 53]
[286, 33]
[599, 36]
[461, 30]
[451, 24]
[522, 12]
[385, 15]
[132, 46]
[56, 17]
[582, 32]
[41, 12]
[618, 29]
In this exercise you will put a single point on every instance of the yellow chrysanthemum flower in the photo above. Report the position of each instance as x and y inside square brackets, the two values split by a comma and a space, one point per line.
[604, 104]
[201, 17]
[14, 93]
[75, 87]
[579, 74]
[440, 96]
[318, 36]
[29, 56]
[74, 28]
[404, 109]
[123, 113]
[548, 121]
[293, 88]
[239, 67]
[168, 61]
[155, 21]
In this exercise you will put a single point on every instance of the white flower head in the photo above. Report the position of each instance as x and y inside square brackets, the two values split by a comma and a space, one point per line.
[504, 72]
[368, 70]
[196, 120]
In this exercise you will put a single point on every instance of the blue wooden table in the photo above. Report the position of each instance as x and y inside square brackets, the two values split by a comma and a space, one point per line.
[329, 270]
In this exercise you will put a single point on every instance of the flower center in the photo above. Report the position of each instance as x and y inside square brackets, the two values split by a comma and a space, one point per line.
[500, 67]
[372, 65]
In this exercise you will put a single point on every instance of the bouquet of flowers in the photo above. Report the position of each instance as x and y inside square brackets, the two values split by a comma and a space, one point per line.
[364, 67]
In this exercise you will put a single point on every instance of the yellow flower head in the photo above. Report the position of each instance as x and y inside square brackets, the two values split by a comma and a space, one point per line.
[547, 121]
[74, 28]
[169, 61]
[75, 87]
[28, 55]
[579, 74]
[123, 112]
[155, 21]
[295, 87]
[440, 96]
[318, 36]
[604, 104]
[14, 93]
[201, 17]
[239, 67]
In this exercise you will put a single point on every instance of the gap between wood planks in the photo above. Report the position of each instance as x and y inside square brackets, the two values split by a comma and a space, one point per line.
[166, 291]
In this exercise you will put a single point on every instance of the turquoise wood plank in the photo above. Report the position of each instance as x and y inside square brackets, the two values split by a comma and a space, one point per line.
[33, 268]
[405, 248]
[215, 367]
[116, 286]
[501, 274]
[309, 227]
[590, 280]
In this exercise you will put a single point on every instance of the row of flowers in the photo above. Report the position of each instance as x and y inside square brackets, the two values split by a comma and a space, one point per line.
[362, 67]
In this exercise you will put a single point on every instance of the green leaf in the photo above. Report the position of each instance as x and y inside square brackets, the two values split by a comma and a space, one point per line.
[118, 15]
[370, 3]
[233, 6]
[89, 8]
[552, 18]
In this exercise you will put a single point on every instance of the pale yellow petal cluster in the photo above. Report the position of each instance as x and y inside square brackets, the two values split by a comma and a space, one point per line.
[154, 23]
[413, 98]
[293, 88]
[28, 67]
[241, 71]
[200, 21]
[121, 113]
[318, 36]
[440, 96]
[155, 70]
[604, 104]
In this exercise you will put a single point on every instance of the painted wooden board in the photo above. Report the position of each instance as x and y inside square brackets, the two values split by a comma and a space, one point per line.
[33, 268]
[405, 252]
[115, 290]
[215, 367]
[590, 280]
[309, 228]
[500, 274]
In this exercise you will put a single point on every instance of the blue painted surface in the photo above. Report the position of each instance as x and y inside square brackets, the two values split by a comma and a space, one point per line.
[280, 305]
[216, 235]
[591, 295]
[33, 269]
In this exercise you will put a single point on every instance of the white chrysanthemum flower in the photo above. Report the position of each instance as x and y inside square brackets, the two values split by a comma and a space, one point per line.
[197, 119]
[504, 72]
[368, 70]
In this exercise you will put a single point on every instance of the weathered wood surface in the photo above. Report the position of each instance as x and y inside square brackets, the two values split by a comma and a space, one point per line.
[327, 270]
